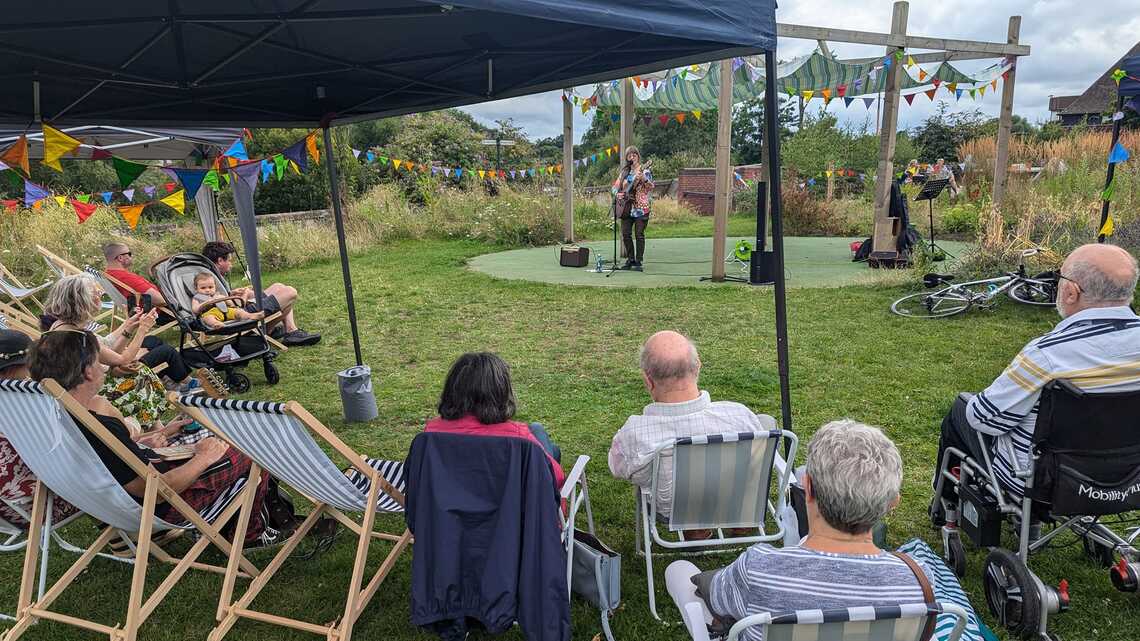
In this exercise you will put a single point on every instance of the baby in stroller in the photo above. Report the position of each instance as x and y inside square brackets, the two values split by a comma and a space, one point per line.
[214, 313]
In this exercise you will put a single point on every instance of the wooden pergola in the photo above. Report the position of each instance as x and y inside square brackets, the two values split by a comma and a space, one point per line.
[896, 39]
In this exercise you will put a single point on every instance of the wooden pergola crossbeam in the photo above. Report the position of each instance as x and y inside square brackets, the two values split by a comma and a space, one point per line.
[901, 41]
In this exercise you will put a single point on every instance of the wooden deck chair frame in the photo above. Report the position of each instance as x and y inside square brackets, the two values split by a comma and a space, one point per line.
[647, 533]
[155, 331]
[9, 278]
[138, 610]
[231, 609]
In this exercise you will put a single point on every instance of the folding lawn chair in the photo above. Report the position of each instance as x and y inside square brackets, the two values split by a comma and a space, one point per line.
[12, 318]
[18, 292]
[278, 437]
[35, 419]
[113, 298]
[720, 482]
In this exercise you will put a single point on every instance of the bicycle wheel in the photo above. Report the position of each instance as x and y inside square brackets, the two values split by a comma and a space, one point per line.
[1035, 292]
[945, 302]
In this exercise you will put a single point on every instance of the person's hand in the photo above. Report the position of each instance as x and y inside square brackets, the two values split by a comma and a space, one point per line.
[131, 323]
[146, 321]
[209, 450]
[152, 440]
[179, 422]
[130, 369]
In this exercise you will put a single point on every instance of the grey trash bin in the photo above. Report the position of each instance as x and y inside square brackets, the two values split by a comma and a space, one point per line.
[356, 394]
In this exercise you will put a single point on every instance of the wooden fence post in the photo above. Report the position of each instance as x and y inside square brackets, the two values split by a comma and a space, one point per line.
[1005, 120]
[883, 240]
[722, 190]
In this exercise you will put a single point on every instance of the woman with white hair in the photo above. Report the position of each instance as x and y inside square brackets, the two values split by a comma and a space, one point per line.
[132, 387]
[853, 477]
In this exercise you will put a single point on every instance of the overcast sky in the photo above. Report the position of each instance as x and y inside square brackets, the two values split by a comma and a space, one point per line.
[1073, 42]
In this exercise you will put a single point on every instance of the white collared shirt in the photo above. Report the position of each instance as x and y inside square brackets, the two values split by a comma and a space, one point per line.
[631, 453]
[1096, 349]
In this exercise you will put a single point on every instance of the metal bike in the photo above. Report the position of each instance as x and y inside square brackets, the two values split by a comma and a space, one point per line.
[957, 298]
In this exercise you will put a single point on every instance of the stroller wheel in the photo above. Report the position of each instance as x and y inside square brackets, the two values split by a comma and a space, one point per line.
[238, 382]
[1011, 593]
[272, 376]
[956, 554]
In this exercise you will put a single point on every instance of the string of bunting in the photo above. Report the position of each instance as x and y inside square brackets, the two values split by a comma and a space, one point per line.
[371, 156]
[663, 119]
[58, 144]
[850, 94]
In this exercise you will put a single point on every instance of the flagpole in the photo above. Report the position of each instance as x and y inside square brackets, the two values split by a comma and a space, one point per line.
[772, 134]
[338, 217]
[1111, 168]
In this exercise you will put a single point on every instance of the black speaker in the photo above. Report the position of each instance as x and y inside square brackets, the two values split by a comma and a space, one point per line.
[763, 268]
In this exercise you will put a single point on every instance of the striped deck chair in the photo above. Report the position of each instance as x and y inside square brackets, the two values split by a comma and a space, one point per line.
[278, 437]
[11, 287]
[720, 482]
[15, 538]
[35, 419]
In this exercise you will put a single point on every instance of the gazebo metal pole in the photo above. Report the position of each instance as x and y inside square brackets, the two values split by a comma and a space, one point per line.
[338, 216]
[772, 135]
[1111, 169]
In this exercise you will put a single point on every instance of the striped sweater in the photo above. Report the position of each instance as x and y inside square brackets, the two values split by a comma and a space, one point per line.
[1096, 349]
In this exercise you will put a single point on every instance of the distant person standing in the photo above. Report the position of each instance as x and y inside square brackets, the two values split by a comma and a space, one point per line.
[633, 188]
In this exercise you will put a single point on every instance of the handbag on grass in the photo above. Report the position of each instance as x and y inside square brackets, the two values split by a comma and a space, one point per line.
[595, 575]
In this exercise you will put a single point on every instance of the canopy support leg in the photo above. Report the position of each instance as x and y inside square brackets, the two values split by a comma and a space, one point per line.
[772, 136]
[338, 216]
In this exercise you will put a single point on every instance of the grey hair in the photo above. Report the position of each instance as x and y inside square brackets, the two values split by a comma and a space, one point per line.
[72, 299]
[660, 368]
[1099, 287]
[856, 474]
[112, 250]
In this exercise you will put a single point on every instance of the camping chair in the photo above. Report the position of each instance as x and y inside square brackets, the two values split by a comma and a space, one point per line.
[112, 297]
[720, 482]
[37, 420]
[12, 318]
[112, 287]
[892, 623]
[18, 292]
[278, 437]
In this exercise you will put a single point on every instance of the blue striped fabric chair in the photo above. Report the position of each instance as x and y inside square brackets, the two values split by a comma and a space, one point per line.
[36, 418]
[18, 292]
[720, 482]
[279, 438]
[889, 623]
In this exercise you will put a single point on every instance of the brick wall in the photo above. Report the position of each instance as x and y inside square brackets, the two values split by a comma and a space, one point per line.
[696, 186]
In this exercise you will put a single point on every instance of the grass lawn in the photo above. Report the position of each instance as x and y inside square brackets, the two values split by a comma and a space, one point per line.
[573, 352]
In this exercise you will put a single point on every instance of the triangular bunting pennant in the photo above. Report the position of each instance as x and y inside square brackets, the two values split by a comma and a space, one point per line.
[169, 187]
[909, 98]
[356, 152]
[481, 174]
[191, 180]
[84, 198]
[973, 94]
[106, 197]
[298, 154]
[680, 118]
[236, 150]
[982, 91]
[266, 170]
[958, 94]
[993, 84]
[953, 86]
[826, 93]
[149, 191]
[16, 155]
[697, 114]
[371, 156]
[1109, 191]
[1107, 229]
[921, 74]
[936, 82]
[60, 200]
[909, 61]
[212, 179]
[808, 94]
[868, 102]
[127, 170]
[847, 101]
[311, 147]
[131, 214]
[56, 144]
[129, 194]
[396, 163]
[663, 119]
[841, 91]
[177, 200]
[83, 210]
[458, 172]
[930, 93]
[100, 154]
[1118, 154]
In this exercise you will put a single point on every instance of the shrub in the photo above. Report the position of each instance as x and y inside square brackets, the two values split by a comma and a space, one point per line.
[960, 219]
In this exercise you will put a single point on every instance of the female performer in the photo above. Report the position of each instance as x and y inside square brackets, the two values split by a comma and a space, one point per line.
[633, 188]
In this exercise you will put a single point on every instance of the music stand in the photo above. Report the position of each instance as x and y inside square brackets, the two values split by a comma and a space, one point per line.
[931, 190]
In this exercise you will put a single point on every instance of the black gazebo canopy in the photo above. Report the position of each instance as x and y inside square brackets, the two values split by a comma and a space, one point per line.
[259, 63]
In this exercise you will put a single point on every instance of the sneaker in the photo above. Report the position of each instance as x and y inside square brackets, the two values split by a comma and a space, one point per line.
[268, 538]
[278, 331]
[191, 386]
[300, 338]
[628, 265]
[637, 267]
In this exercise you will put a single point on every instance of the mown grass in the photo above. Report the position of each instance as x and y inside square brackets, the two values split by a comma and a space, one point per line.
[573, 352]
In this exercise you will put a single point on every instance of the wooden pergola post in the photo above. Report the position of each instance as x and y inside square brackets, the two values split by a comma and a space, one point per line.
[722, 192]
[1005, 120]
[567, 169]
[883, 242]
[625, 134]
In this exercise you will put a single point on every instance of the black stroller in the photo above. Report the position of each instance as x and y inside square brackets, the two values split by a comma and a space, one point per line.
[201, 345]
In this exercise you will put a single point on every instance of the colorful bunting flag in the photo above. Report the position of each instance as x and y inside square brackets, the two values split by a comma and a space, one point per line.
[909, 98]
[83, 210]
[212, 179]
[847, 101]
[993, 84]
[982, 91]
[930, 93]
[396, 163]
[16, 155]
[664, 118]
[127, 170]
[1118, 75]
[298, 153]
[808, 94]
[697, 114]
[356, 152]
[60, 200]
[973, 94]
[826, 93]
[909, 60]
[99, 153]
[177, 200]
[266, 170]
[129, 194]
[1118, 154]
[84, 198]
[311, 146]
[957, 94]
[1109, 191]
[56, 144]
[149, 189]
[107, 197]
[131, 214]
[921, 74]
[841, 91]
[236, 150]
[1108, 228]
[936, 82]
[680, 118]
[868, 102]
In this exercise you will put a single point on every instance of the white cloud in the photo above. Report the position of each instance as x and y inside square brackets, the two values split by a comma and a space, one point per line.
[1072, 44]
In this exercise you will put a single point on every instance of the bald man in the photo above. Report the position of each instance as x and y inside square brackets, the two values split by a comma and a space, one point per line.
[670, 367]
[1096, 346]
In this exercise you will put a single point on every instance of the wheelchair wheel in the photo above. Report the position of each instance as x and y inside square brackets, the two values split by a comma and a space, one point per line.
[956, 554]
[272, 376]
[1011, 593]
[238, 382]
[1099, 553]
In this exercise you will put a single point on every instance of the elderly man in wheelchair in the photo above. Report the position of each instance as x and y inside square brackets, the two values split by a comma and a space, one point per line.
[1052, 441]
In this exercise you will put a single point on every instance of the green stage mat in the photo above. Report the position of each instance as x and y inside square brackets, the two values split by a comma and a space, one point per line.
[671, 262]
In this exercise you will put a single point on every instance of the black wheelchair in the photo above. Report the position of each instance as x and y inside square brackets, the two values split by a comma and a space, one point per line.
[1084, 477]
